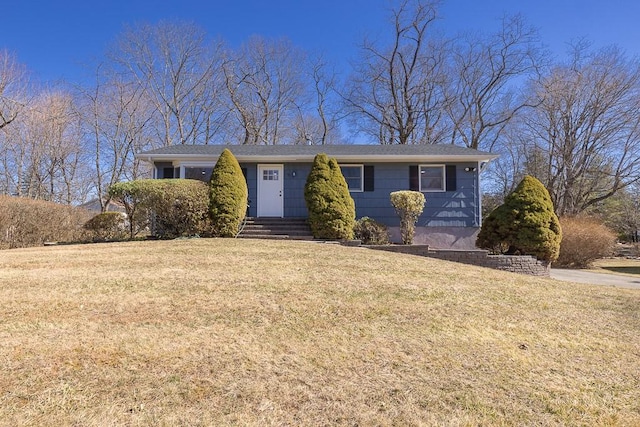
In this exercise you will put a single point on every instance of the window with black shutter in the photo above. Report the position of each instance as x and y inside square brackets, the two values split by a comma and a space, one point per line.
[368, 178]
[452, 178]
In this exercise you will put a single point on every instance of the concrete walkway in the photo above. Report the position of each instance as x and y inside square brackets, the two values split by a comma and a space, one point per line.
[581, 276]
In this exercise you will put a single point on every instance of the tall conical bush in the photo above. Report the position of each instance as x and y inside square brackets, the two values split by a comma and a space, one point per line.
[525, 223]
[228, 196]
[332, 212]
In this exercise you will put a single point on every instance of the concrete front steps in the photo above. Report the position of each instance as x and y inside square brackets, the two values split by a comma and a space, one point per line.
[276, 228]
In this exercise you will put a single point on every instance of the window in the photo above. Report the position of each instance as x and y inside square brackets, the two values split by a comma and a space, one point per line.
[167, 173]
[432, 178]
[353, 174]
[270, 175]
[201, 174]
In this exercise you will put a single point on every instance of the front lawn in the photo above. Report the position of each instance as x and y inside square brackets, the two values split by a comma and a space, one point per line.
[245, 332]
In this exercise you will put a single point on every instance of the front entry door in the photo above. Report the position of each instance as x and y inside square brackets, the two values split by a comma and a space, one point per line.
[270, 189]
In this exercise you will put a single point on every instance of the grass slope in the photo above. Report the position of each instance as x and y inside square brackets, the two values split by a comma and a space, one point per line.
[241, 332]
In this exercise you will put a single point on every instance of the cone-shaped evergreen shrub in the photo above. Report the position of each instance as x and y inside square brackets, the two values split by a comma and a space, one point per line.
[228, 196]
[332, 212]
[525, 224]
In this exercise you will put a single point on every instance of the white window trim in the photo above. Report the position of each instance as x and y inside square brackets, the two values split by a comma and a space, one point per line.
[361, 189]
[444, 179]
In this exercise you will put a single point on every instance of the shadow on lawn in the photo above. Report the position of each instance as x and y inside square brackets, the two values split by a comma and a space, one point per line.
[625, 270]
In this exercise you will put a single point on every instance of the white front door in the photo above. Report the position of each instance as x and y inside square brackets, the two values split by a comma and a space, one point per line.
[270, 189]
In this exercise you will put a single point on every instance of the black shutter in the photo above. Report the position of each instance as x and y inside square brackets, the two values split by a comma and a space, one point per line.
[368, 178]
[244, 172]
[167, 173]
[451, 178]
[414, 178]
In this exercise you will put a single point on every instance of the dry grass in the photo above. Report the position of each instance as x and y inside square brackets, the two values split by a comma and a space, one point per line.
[623, 266]
[241, 332]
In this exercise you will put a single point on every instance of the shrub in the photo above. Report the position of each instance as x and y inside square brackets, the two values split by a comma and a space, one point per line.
[228, 196]
[371, 232]
[584, 240]
[332, 212]
[26, 222]
[107, 226]
[524, 224]
[134, 196]
[177, 207]
[408, 206]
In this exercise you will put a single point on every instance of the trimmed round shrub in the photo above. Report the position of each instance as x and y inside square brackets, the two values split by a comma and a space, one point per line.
[169, 207]
[228, 196]
[332, 212]
[409, 206]
[584, 240]
[107, 226]
[524, 224]
[371, 232]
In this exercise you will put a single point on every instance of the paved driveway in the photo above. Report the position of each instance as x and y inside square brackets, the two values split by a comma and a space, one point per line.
[582, 276]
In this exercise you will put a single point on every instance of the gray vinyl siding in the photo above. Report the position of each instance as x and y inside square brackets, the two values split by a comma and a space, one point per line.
[294, 204]
[442, 209]
[252, 186]
[457, 208]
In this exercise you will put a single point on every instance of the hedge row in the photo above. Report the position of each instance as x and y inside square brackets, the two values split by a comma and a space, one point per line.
[168, 207]
[26, 222]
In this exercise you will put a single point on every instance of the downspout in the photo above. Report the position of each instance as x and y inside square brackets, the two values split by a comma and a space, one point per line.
[480, 168]
[477, 200]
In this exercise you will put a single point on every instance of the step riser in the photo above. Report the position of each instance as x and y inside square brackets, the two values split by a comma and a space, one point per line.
[276, 228]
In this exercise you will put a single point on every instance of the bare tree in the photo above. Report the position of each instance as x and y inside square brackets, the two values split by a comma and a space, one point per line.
[13, 81]
[179, 72]
[586, 132]
[485, 71]
[324, 93]
[317, 120]
[44, 155]
[396, 94]
[265, 84]
[115, 116]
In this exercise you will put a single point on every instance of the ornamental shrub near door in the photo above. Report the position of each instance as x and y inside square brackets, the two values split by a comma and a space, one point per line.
[228, 196]
[331, 209]
[524, 224]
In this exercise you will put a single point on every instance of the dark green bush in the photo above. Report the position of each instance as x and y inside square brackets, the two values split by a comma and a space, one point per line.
[26, 222]
[524, 224]
[408, 206]
[107, 226]
[228, 196]
[331, 209]
[171, 207]
[584, 240]
[371, 232]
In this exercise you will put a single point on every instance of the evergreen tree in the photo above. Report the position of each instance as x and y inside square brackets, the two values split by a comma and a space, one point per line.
[525, 224]
[331, 208]
[228, 196]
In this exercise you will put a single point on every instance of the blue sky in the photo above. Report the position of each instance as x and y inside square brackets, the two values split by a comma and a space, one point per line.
[55, 38]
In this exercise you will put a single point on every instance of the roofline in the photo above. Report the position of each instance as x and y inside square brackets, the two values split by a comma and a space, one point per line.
[378, 158]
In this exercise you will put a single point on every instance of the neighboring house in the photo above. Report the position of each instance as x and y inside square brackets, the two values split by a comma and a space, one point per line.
[448, 175]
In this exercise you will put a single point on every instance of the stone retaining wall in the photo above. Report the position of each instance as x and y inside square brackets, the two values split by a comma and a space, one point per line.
[523, 264]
